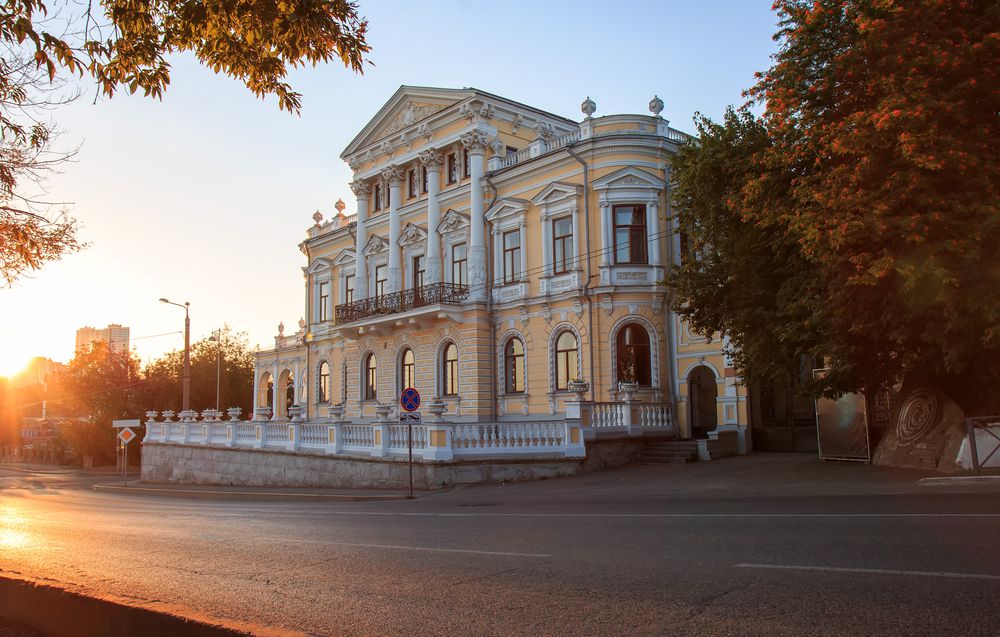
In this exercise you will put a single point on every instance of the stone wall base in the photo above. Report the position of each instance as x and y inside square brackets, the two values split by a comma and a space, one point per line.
[225, 466]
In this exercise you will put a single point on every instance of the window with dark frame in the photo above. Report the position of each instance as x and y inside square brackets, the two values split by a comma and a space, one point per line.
[466, 164]
[562, 245]
[423, 179]
[376, 197]
[630, 233]
[514, 366]
[449, 384]
[411, 183]
[419, 266]
[511, 256]
[371, 378]
[566, 359]
[407, 377]
[632, 352]
[324, 382]
[349, 288]
[324, 301]
[452, 168]
[381, 277]
[460, 264]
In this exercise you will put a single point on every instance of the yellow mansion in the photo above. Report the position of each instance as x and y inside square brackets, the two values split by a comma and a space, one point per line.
[506, 262]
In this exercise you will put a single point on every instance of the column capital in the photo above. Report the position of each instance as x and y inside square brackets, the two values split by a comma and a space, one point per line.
[361, 189]
[431, 159]
[475, 141]
[392, 174]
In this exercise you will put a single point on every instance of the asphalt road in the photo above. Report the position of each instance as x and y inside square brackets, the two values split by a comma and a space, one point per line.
[613, 554]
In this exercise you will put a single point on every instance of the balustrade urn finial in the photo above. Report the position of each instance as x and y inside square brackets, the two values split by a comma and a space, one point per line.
[317, 217]
[656, 106]
[340, 206]
[589, 107]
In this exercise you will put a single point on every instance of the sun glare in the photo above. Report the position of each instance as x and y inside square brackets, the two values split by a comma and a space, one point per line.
[14, 356]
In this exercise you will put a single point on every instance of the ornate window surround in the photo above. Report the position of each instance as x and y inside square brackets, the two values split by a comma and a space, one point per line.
[413, 242]
[319, 381]
[345, 262]
[320, 271]
[554, 335]
[453, 229]
[630, 186]
[502, 364]
[654, 354]
[376, 252]
[557, 200]
[505, 215]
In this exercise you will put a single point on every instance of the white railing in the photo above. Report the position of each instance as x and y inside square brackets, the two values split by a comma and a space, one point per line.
[358, 437]
[608, 416]
[398, 438]
[518, 437]
[276, 434]
[514, 158]
[314, 435]
[246, 432]
[656, 416]
[218, 432]
[564, 140]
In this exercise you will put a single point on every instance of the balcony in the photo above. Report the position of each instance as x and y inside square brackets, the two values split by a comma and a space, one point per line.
[403, 301]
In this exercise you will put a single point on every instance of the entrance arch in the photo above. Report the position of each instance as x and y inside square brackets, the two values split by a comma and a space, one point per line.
[285, 394]
[702, 392]
[265, 391]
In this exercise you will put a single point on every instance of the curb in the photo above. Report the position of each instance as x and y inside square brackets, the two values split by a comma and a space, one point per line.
[247, 495]
[941, 482]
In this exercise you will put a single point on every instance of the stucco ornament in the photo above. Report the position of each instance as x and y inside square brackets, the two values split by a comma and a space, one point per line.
[361, 189]
[656, 106]
[317, 217]
[497, 146]
[589, 107]
[474, 140]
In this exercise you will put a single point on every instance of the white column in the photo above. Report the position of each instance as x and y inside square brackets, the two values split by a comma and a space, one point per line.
[653, 231]
[431, 160]
[547, 256]
[475, 142]
[607, 236]
[274, 393]
[523, 235]
[394, 176]
[362, 191]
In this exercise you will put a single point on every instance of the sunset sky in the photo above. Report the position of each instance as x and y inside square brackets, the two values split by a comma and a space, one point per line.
[203, 197]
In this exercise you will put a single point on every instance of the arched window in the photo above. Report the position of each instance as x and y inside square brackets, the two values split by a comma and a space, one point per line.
[566, 359]
[449, 379]
[323, 395]
[371, 378]
[513, 365]
[633, 355]
[406, 377]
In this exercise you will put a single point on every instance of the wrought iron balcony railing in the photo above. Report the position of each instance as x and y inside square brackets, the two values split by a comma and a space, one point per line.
[402, 301]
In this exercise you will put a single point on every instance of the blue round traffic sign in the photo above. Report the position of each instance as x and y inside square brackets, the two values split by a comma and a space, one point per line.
[409, 399]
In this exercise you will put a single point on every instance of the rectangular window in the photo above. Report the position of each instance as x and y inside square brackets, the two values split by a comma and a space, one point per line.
[630, 233]
[562, 245]
[381, 276]
[466, 168]
[418, 273]
[511, 256]
[459, 264]
[411, 183]
[452, 168]
[349, 288]
[324, 301]
[423, 179]
[376, 197]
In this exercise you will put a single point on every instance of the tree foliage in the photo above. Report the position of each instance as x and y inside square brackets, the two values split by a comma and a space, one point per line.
[873, 200]
[125, 47]
[162, 377]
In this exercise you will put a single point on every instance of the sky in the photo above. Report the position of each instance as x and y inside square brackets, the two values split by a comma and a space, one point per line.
[204, 196]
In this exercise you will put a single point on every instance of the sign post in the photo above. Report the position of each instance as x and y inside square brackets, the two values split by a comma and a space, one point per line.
[125, 436]
[409, 400]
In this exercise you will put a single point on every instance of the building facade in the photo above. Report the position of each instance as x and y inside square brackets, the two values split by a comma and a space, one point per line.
[500, 259]
[116, 336]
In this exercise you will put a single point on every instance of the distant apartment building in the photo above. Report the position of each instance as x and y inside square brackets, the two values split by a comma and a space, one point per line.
[116, 336]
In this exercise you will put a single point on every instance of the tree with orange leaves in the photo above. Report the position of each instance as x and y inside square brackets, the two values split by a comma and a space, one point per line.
[881, 169]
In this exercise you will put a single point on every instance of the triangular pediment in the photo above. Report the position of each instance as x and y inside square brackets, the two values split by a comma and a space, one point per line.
[375, 245]
[407, 107]
[319, 265]
[412, 234]
[346, 257]
[452, 221]
[505, 207]
[629, 178]
[556, 191]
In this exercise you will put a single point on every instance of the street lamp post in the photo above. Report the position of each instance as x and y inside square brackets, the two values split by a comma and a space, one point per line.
[186, 374]
[217, 338]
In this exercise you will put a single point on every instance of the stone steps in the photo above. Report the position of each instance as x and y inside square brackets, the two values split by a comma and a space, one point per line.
[669, 452]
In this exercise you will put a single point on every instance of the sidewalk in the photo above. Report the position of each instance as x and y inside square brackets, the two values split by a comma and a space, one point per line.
[310, 494]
